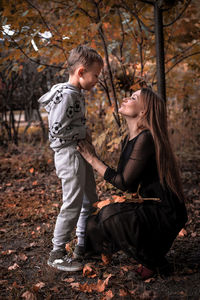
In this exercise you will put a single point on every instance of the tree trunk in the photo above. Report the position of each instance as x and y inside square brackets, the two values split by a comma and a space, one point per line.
[160, 55]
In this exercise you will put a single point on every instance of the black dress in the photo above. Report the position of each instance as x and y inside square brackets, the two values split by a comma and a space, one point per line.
[144, 230]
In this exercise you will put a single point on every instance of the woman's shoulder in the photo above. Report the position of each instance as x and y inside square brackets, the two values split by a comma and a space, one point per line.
[146, 133]
[143, 136]
[145, 139]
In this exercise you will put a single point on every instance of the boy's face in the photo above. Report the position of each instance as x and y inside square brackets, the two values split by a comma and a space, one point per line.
[89, 77]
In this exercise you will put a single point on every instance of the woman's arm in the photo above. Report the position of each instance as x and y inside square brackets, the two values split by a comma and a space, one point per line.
[88, 152]
[134, 166]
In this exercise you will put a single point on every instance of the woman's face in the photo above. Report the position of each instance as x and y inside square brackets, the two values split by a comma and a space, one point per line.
[132, 106]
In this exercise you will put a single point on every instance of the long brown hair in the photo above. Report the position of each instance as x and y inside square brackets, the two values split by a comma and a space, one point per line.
[155, 119]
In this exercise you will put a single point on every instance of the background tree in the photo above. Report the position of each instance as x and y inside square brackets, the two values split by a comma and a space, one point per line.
[122, 31]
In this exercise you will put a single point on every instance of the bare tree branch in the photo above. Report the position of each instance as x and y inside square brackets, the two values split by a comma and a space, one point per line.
[97, 20]
[31, 59]
[137, 18]
[181, 59]
[55, 29]
[184, 50]
[179, 16]
[43, 20]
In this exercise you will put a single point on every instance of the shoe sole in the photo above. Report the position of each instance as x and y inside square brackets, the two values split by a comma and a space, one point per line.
[63, 268]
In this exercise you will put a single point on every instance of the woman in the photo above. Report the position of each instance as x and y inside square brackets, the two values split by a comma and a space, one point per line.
[147, 229]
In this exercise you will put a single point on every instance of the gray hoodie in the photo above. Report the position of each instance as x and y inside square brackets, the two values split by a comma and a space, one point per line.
[65, 105]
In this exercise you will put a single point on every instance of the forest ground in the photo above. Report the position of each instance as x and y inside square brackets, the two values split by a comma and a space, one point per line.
[30, 196]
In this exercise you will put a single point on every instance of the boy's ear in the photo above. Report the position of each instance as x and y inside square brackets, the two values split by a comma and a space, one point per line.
[81, 71]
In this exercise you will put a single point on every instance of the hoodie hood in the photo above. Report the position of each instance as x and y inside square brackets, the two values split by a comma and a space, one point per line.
[47, 99]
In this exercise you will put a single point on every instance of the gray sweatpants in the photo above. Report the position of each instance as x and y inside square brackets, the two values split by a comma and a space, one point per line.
[79, 193]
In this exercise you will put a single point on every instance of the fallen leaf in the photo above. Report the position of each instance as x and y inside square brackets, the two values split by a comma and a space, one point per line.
[124, 268]
[108, 295]
[106, 258]
[31, 170]
[55, 289]
[35, 182]
[40, 284]
[193, 234]
[86, 288]
[149, 280]
[7, 252]
[15, 285]
[21, 189]
[101, 285]
[13, 267]
[22, 256]
[69, 280]
[89, 271]
[89, 288]
[122, 293]
[102, 203]
[75, 285]
[183, 232]
[118, 198]
[29, 296]
[68, 247]
[3, 282]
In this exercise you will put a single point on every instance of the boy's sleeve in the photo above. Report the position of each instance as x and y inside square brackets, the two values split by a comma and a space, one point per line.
[66, 118]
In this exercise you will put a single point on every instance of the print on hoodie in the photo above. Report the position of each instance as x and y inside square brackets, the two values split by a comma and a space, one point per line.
[65, 105]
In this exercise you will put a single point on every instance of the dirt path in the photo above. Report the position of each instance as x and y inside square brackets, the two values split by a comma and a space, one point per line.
[30, 196]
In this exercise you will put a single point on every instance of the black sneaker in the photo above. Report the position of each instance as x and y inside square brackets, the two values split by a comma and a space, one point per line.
[59, 260]
[79, 252]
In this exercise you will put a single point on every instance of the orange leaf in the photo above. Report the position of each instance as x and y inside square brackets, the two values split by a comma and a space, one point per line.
[89, 271]
[68, 247]
[89, 288]
[102, 203]
[69, 280]
[118, 198]
[7, 252]
[35, 182]
[13, 267]
[183, 232]
[40, 285]
[122, 293]
[31, 170]
[124, 268]
[29, 296]
[108, 295]
[101, 285]
[106, 258]
[22, 256]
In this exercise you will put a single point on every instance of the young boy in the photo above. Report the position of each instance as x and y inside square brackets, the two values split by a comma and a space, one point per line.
[66, 115]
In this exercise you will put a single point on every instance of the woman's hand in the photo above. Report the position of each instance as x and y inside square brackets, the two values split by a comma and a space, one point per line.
[87, 150]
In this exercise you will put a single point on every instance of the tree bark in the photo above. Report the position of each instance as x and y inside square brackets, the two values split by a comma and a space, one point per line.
[160, 55]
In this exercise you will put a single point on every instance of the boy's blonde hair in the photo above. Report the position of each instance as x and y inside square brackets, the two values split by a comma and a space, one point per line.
[83, 55]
